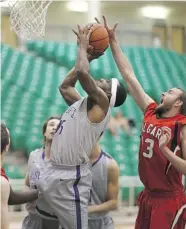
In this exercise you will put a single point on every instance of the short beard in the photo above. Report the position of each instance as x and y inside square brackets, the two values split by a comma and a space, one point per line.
[160, 110]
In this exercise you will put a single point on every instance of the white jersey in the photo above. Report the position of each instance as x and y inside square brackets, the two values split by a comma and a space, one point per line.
[98, 194]
[35, 163]
[76, 135]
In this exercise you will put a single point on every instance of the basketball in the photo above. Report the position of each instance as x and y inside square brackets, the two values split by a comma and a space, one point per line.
[99, 38]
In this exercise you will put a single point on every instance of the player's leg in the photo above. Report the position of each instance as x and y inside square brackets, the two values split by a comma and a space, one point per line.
[144, 212]
[164, 212]
[67, 193]
[179, 221]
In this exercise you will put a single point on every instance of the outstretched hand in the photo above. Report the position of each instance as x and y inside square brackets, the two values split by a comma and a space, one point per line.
[83, 36]
[165, 137]
[91, 53]
[111, 31]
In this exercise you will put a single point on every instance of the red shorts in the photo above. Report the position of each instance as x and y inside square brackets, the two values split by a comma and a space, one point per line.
[161, 211]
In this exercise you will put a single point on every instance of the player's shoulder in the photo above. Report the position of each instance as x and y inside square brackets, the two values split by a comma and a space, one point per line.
[151, 106]
[107, 155]
[113, 170]
[150, 109]
[182, 119]
[113, 165]
[35, 153]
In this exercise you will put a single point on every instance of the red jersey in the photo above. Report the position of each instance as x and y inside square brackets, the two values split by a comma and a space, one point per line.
[3, 174]
[156, 172]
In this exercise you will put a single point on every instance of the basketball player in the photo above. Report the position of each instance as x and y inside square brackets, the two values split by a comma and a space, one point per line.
[162, 155]
[43, 220]
[104, 191]
[8, 196]
[66, 184]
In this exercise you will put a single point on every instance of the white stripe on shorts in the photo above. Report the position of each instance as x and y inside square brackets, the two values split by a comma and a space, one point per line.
[178, 216]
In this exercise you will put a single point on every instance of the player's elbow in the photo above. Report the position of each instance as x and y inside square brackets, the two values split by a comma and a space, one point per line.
[63, 89]
[80, 72]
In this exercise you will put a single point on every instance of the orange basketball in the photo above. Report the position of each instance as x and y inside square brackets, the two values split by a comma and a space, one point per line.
[99, 38]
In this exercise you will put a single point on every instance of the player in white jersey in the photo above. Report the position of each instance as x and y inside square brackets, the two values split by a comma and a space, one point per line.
[40, 216]
[66, 183]
[104, 192]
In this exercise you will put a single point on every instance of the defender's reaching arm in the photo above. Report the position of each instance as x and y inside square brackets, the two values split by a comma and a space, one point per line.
[134, 87]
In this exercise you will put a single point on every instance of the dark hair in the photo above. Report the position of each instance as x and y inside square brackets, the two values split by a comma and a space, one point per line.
[4, 137]
[183, 99]
[46, 122]
[121, 95]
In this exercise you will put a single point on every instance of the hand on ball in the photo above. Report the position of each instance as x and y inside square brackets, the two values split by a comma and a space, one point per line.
[111, 31]
[83, 36]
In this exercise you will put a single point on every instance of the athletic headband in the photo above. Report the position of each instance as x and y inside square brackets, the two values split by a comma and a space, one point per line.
[113, 92]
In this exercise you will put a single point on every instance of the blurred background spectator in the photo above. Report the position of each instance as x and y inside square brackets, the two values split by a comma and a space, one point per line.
[120, 123]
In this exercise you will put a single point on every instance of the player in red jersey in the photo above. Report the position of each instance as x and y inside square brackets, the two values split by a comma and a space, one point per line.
[8, 196]
[162, 155]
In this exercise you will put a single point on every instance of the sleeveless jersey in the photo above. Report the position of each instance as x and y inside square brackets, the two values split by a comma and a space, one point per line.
[35, 163]
[76, 136]
[98, 194]
[156, 172]
[3, 174]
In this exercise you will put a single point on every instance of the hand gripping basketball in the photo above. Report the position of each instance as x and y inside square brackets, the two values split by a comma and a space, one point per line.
[83, 36]
[111, 31]
[91, 53]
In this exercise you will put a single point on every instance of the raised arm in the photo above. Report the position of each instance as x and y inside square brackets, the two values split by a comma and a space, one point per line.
[5, 191]
[67, 88]
[95, 94]
[134, 87]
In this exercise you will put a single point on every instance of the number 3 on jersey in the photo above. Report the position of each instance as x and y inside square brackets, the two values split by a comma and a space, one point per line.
[149, 150]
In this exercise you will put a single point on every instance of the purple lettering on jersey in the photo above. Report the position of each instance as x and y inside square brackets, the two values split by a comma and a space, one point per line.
[71, 111]
[60, 126]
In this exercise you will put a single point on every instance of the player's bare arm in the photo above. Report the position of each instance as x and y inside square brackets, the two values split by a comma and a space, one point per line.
[112, 191]
[22, 197]
[134, 87]
[5, 192]
[177, 162]
[95, 94]
[67, 87]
